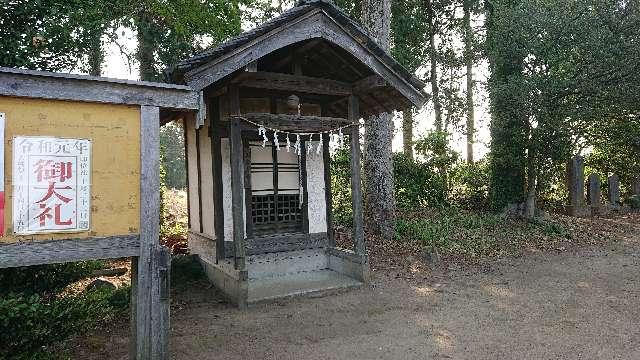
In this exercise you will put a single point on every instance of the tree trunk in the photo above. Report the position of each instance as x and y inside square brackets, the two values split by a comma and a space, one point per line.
[530, 204]
[376, 18]
[407, 132]
[378, 160]
[468, 58]
[433, 54]
[145, 52]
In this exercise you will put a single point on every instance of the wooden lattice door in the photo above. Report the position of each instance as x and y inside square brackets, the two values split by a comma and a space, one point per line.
[275, 204]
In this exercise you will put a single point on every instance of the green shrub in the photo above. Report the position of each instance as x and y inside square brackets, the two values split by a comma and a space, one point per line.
[341, 187]
[30, 323]
[633, 202]
[469, 184]
[435, 149]
[416, 184]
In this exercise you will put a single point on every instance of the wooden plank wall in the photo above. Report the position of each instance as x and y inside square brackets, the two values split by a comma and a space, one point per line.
[192, 168]
[206, 181]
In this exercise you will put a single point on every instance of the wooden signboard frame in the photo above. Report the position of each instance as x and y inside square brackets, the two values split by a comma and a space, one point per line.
[150, 262]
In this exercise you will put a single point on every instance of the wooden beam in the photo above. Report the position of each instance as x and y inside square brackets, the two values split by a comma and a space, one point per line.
[285, 242]
[60, 251]
[293, 123]
[237, 170]
[356, 182]
[55, 86]
[293, 83]
[369, 84]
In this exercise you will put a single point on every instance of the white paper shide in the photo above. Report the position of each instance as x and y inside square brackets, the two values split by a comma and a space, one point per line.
[51, 185]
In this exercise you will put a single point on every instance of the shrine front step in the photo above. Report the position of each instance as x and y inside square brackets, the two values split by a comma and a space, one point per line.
[280, 275]
[310, 272]
[284, 263]
[305, 283]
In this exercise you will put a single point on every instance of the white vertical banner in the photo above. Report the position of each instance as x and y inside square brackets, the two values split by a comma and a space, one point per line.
[51, 185]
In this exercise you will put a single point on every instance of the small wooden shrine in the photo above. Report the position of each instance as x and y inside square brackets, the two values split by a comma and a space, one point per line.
[277, 97]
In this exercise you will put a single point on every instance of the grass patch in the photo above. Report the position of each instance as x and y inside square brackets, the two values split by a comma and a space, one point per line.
[473, 235]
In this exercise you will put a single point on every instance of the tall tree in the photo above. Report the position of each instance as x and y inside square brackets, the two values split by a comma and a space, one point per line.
[408, 33]
[467, 7]
[49, 35]
[508, 119]
[560, 72]
[170, 31]
[407, 132]
[433, 71]
[378, 161]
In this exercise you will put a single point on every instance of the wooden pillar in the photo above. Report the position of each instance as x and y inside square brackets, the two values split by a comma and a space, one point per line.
[237, 173]
[150, 310]
[356, 182]
[216, 166]
[326, 157]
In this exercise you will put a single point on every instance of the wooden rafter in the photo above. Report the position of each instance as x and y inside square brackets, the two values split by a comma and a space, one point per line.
[300, 50]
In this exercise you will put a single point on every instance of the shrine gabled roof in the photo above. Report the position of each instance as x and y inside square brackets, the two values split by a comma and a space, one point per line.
[190, 71]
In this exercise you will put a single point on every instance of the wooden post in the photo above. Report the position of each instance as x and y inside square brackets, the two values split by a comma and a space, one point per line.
[237, 170]
[161, 266]
[356, 183]
[150, 311]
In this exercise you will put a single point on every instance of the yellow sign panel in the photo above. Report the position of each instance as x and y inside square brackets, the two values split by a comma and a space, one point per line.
[114, 132]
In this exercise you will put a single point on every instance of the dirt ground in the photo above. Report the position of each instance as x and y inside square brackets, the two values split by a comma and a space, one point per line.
[580, 303]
